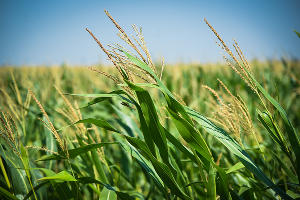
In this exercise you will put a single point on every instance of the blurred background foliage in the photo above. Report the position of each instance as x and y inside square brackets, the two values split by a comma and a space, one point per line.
[52, 84]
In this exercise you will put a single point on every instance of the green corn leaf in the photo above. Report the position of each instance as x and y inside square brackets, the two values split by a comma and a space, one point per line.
[176, 162]
[121, 195]
[191, 136]
[285, 167]
[86, 148]
[150, 85]
[107, 194]
[146, 130]
[100, 167]
[100, 97]
[73, 153]
[291, 193]
[6, 194]
[98, 122]
[47, 172]
[25, 160]
[235, 167]
[103, 95]
[179, 146]
[162, 169]
[52, 157]
[95, 101]
[15, 167]
[144, 163]
[131, 126]
[152, 121]
[61, 176]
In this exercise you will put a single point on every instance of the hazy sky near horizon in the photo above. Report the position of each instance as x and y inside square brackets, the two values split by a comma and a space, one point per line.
[35, 32]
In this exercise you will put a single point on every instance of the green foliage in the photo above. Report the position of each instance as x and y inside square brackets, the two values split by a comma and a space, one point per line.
[148, 155]
[138, 140]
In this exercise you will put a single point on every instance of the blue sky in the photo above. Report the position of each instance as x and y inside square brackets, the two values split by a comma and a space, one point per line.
[48, 32]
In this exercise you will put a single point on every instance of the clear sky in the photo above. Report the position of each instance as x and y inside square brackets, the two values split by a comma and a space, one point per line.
[47, 32]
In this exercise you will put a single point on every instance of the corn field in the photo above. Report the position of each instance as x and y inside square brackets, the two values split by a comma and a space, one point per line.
[146, 130]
